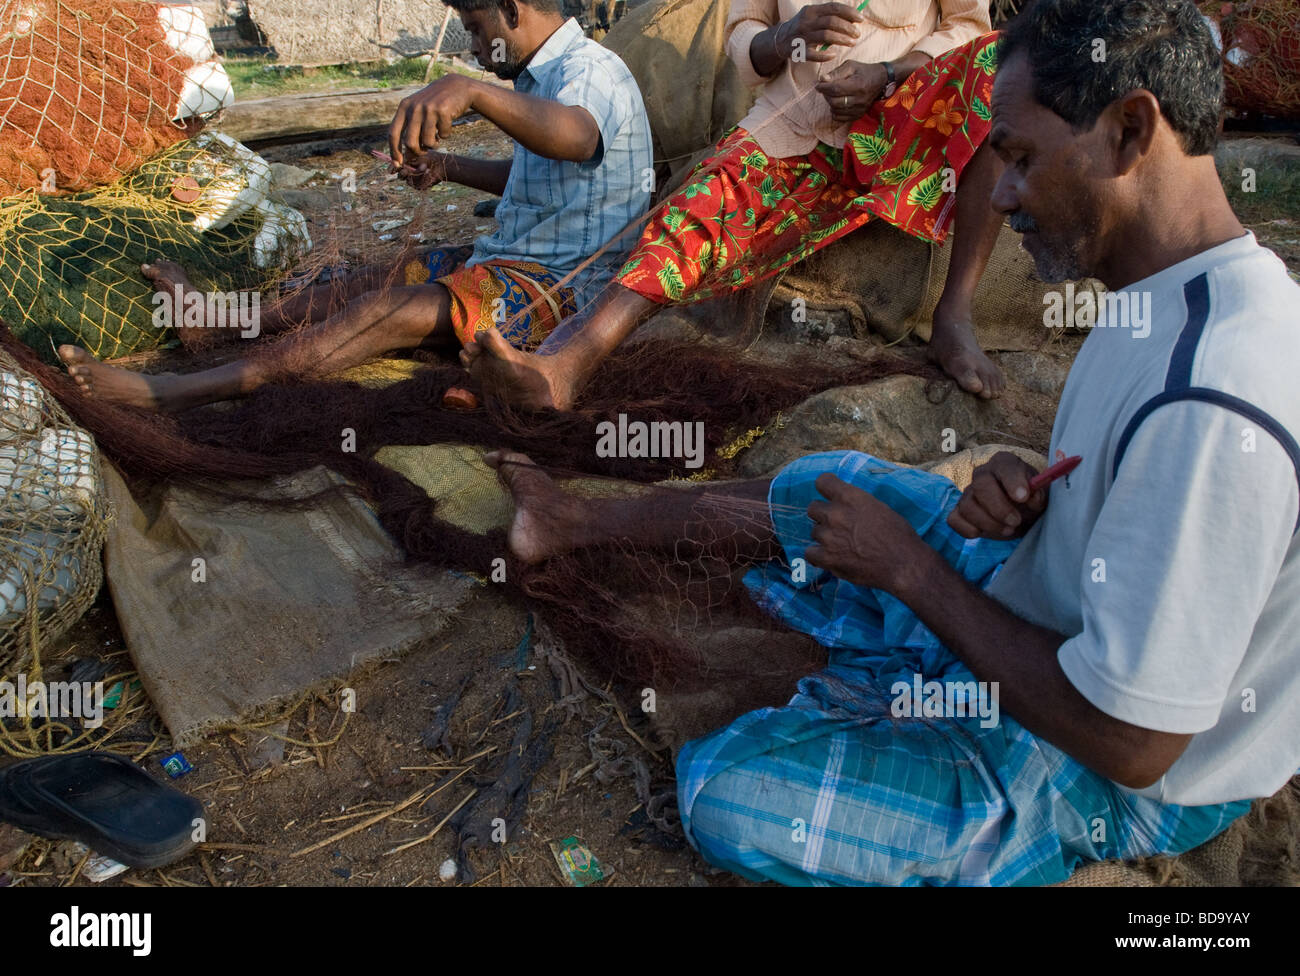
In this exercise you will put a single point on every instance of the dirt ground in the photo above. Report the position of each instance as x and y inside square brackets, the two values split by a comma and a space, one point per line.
[369, 803]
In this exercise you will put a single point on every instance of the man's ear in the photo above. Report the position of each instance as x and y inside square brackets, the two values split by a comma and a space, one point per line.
[1136, 119]
[510, 13]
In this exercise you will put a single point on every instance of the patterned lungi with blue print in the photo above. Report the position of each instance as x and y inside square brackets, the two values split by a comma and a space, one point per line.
[835, 788]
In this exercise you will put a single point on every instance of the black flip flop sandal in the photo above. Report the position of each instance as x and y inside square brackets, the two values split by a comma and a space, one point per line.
[105, 801]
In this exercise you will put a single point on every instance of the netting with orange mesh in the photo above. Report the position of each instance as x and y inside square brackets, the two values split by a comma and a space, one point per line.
[88, 91]
[1261, 55]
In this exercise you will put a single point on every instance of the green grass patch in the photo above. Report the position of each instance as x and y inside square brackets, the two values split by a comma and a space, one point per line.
[1271, 190]
[264, 78]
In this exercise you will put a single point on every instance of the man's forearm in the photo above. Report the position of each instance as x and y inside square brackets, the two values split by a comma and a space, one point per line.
[540, 125]
[488, 175]
[1021, 657]
[768, 51]
[907, 64]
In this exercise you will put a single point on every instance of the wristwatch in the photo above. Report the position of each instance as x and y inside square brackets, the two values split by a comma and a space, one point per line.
[892, 84]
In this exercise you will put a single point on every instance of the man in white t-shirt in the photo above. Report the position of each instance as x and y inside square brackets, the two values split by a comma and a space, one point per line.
[1022, 679]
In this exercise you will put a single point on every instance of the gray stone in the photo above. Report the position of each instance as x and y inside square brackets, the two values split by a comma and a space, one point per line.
[1037, 371]
[1269, 158]
[808, 322]
[285, 176]
[893, 418]
[310, 200]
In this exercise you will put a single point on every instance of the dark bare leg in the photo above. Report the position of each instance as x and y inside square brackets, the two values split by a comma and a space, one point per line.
[727, 521]
[553, 376]
[400, 318]
[315, 303]
[309, 305]
[952, 342]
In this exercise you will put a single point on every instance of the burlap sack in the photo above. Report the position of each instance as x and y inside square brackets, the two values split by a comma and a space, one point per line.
[232, 610]
[890, 283]
[692, 91]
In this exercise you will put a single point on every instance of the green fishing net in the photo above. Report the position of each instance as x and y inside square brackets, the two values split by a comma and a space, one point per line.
[70, 266]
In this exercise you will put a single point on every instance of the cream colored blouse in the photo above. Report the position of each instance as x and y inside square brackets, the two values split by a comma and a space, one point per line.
[790, 117]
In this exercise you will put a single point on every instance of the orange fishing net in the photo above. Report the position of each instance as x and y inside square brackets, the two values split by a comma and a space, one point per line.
[88, 89]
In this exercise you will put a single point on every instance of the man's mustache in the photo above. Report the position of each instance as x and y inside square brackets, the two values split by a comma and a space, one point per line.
[1022, 223]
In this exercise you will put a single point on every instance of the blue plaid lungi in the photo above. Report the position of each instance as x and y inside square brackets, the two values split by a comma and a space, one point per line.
[833, 788]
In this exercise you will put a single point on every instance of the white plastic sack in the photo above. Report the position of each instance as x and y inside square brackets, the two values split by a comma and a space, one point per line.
[207, 86]
[240, 183]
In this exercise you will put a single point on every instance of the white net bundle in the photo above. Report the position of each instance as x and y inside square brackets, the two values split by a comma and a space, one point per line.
[53, 517]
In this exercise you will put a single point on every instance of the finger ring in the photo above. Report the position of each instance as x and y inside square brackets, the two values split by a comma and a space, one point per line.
[845, 101]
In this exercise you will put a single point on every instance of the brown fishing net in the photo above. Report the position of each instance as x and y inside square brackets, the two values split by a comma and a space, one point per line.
[287, 428]
[52, 517]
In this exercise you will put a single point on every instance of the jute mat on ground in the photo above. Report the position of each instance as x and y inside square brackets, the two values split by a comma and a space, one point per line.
[231, 610]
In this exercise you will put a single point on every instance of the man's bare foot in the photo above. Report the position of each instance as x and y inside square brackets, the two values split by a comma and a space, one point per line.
[548, 520]
[954, 347]
[166, 275]
[520, 378]
[115, 384]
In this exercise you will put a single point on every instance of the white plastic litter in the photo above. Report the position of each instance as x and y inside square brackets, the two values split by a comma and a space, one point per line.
[207, 90]
[236, 181]
[283, 229]
[187, 31]
[99, 867]
[236, 186]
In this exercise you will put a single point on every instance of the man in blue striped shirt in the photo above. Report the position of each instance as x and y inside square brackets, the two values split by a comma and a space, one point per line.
[582, 172]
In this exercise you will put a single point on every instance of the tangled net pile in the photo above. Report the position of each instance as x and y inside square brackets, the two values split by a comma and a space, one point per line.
[69, 272]
[1261, 55]
[585, 596]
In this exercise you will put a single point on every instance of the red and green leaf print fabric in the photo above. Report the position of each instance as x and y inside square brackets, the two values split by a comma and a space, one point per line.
[744, 215]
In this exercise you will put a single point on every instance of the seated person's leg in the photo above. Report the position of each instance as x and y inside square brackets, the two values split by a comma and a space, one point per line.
[433, 314]
[832, 788]
[952, 337]
[312, 303]
[520, 302]
[401, 318]
[902, 153]
[315, 303]
[835, 789]
[727, 520]
[691, 239]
